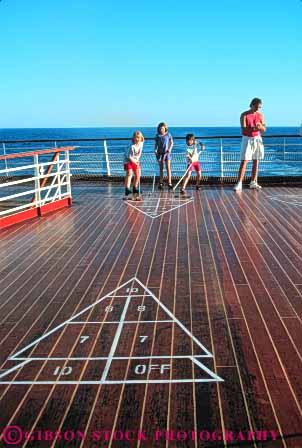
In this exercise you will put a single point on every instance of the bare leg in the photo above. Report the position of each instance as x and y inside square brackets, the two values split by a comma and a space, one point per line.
[242, 170]
[255, 170]
[137, 176]
[168, 168]
[198, 175]
[161, 171]
[136, 185]
[186, 180]
[128, 179]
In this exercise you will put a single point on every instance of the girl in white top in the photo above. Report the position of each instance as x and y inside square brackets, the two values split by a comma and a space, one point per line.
[192, 157]
[132, 165]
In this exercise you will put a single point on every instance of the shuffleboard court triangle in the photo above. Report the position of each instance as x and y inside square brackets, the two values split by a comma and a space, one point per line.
[127, 305]
[154, 208]
[133, 288]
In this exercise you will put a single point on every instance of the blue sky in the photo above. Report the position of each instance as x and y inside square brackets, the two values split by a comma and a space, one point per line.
[116, 63]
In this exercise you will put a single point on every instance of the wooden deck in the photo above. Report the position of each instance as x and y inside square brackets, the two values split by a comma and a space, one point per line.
[167, 315]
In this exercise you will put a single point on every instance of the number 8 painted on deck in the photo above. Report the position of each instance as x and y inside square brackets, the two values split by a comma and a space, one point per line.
[141, 308]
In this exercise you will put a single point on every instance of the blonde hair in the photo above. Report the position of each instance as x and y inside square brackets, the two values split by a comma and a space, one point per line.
[137, 133]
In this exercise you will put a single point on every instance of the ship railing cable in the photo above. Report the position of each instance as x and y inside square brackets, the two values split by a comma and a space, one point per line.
[105, 156]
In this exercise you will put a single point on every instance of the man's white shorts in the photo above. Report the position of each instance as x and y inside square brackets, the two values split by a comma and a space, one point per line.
[252, 148]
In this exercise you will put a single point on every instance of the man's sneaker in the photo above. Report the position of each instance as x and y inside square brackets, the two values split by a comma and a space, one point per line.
[254, 185]
[197, 187]
[161, 186]
[170, 186]
[238, 186]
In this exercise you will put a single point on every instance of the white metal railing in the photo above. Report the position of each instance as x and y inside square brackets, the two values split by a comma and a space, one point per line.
[216, 161]
[35, 182]
[105, 157]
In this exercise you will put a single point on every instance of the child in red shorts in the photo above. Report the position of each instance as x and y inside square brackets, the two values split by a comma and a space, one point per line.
[192, 157]
[132, 165]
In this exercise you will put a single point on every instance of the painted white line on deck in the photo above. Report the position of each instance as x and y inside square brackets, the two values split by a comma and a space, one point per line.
[132, 295]
[117, 322]
[116, 339]
[192, 380]
[214, 376]
[17, 367]
[115, 358]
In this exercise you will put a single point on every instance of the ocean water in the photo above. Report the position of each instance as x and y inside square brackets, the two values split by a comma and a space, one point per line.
[283, 154]
[120, 132]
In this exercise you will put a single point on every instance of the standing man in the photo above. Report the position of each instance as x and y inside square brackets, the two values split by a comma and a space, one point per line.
[252, 126]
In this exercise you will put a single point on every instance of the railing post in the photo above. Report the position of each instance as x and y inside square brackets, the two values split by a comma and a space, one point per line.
[284, 144]
[5, 161]
[221, 160]
[107, 158]
[59, 176]
[37, 181]
[67, 161]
